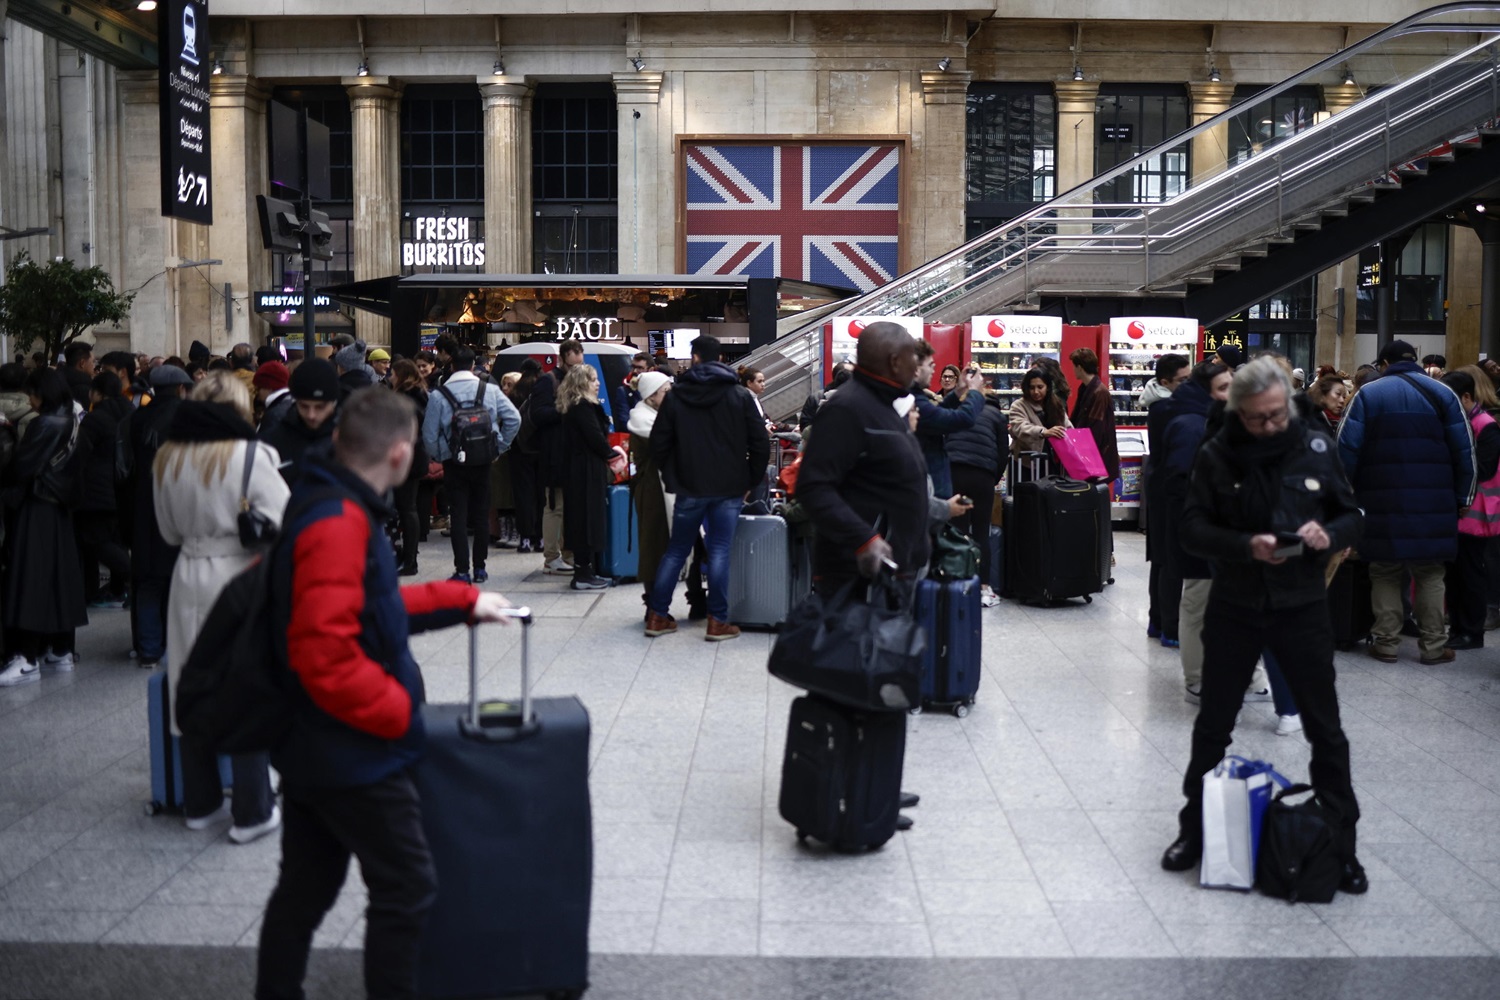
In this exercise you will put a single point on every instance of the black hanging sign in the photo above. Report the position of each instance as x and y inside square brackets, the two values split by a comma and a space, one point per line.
[185, 67]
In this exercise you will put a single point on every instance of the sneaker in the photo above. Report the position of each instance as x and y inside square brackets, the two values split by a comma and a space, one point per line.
[407, 570]
[591, 583]
[558, 567]
[19, 671]
[149, 664]
[1194, 694]
[719, 631]
[204, 822]
[1152, 631]
[247, 834]
[988, 598]
[1170, 643]
[61, 662]
[1258, 694]
[108, 604]
[525, 545]
[659, 624]
[481, 576]
[462, 578]
[1288, 725]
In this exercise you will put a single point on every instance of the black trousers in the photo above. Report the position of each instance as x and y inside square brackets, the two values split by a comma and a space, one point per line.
[468, 490]
[406, 514]
[1465, 584]
[978, 485]
[203, 791]
[526, 484]
[1302, 641]
[1166, 593]
[381, 825]
[99, 543]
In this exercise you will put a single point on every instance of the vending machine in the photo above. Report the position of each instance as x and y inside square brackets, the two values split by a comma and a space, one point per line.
[1135, 344]
[1004, 348]
[949, 340]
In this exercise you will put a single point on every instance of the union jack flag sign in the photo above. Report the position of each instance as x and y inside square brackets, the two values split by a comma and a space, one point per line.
[815, 212]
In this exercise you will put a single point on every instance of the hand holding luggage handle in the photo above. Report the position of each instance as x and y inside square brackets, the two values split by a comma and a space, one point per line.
[501, 726]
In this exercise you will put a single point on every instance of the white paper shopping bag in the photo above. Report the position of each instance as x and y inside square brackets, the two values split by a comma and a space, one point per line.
[1234, 795]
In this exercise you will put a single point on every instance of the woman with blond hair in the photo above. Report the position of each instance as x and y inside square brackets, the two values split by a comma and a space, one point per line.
[200, 474]
[586, 433]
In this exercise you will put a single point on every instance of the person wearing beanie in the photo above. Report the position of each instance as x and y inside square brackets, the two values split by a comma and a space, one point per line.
[272, 393]
[380, 363]
[1230, 356]
[352, 373]
[307, 428]
[198, 353]
[653, 505]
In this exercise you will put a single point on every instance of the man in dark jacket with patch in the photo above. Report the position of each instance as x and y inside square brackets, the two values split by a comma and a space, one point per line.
[356, 693]
[1267, 505]
[1407, 447]
[710, 442]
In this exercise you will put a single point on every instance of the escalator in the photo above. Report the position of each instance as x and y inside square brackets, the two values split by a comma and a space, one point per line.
[1419, 135]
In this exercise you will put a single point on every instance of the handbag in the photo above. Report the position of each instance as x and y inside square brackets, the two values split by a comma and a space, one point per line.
[257, 530]
[955, 556]
[619, 467]
[1235, 796]
[864, 652]
[1299, 858]
[1079, 454]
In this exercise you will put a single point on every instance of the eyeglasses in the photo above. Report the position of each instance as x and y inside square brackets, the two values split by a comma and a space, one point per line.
[1264, 419]
[949, 377]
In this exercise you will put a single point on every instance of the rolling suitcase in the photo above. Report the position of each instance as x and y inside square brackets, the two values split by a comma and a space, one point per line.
[950, 612]
[621, 557]
[841, 776]
[1055, 546]
[166, 754]
[762, 585]
[505, 806]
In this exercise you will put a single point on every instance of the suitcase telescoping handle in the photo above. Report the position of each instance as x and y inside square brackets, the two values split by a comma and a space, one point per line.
[482, 723]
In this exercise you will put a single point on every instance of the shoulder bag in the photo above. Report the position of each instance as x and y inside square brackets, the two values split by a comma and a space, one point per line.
[257, 530]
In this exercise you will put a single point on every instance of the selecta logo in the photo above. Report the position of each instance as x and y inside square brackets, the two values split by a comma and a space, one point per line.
[856, 328]
[1136, 330]
[997, 330]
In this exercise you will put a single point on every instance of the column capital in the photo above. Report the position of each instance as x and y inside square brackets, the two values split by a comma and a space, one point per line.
[1209, 98]
[139, 86]
[230, 91]
[372, 89]
[951, 87]
[503, 90]
[638, 88]
[1076, 97]
[1339, 97]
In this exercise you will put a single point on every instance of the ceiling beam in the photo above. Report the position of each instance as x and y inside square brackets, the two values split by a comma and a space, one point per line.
[118, 38]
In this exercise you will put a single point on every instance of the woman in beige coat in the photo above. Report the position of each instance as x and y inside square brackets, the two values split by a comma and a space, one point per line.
[1037, 415]
[198, 473]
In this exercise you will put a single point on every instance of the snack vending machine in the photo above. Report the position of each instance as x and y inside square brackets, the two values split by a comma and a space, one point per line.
[1005, 347]
[841, 339]
[1135, 344]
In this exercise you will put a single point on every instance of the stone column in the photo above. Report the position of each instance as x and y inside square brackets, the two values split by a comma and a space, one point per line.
[239, 164]
[150, 238]
[1210, 151]
[648, 180]
[1334, 343]
[507, 175]
[376, 105]
[1076, 108]
[935, 222]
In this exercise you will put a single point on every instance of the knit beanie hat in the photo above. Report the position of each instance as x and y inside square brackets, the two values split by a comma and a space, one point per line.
[315, 379]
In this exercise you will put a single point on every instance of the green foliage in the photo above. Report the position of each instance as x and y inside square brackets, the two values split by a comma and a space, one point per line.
[47, 306]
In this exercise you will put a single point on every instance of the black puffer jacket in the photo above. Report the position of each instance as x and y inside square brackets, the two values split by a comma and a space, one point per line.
[1242, 486]
[96, 453]
[986, 445]
[294, 441]
[709, 438]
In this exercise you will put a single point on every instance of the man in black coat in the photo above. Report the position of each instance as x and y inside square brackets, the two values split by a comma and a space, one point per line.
[78, 371]
[140, 436]
[1268, 503]
[552, 464]
[308, 427]
[711, 445]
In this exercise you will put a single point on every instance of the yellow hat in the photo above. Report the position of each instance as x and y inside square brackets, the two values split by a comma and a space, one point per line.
[379, 355]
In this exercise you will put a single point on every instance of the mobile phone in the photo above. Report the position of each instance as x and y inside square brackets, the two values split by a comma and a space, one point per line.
[1288, 544]
[965, 500]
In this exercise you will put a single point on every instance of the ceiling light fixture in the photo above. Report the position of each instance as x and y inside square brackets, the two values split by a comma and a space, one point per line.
[499, 67]
[1213, 74]
[146, 5]
[364, 69]
[1348, 77]
[944, 63]
[1479, 208]
[1077, 72]
[638, 62]
[218, 67]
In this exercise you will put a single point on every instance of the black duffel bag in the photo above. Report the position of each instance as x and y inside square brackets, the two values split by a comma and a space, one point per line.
[1298, 859]
[862, 652]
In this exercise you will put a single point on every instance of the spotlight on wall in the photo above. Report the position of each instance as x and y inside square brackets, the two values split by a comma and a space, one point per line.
[146, 5]
[499, 67]
[218, 67]
[944, 63]
[1348, 77]
[364, 69]
[638, 62]
[1213, 74]
[1077, 72]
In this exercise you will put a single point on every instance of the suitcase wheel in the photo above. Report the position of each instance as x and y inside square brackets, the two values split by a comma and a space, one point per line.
[915, 710]
[154, 808]
[960, 710]
[1088, 598]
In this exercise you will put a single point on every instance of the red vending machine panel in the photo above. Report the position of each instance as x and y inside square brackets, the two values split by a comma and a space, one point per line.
[1096, 339]
[950, 346]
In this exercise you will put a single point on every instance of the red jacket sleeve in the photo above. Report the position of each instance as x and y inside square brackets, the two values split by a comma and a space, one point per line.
[438, 604]
[322, 643]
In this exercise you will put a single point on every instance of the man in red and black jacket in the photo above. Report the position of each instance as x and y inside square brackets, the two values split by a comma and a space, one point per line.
[356, 727]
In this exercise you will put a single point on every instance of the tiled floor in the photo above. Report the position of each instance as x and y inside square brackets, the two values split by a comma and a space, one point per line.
[1043, 812]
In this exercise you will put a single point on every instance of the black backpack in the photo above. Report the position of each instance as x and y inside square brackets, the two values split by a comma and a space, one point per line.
[1298, 859]
[471, 429]
[232, 693]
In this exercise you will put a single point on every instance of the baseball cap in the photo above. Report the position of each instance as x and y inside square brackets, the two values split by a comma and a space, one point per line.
[1397, 350]
[163, 376]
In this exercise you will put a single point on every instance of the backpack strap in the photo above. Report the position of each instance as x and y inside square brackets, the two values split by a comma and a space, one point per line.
[1427, 394]
[245, 476]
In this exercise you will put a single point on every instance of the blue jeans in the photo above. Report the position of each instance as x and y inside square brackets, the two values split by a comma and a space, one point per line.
[148, 615]
[1281, 691]
[717, 516]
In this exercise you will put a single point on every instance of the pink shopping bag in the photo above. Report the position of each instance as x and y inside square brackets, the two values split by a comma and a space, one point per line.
[1079, 454]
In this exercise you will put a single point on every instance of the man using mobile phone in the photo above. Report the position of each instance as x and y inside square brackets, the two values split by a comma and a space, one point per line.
[1268, 504]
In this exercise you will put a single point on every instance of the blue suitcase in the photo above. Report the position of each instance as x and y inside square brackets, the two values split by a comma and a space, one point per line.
[622, 555]
[950, 612]
[166, 755]
[505, 807]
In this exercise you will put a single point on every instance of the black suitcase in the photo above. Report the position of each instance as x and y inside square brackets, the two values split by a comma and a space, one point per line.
[1059, 546]
[505, 805]
[841, 776]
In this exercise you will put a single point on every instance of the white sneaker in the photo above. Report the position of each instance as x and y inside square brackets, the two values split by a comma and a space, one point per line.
[987, 597]
[247, 834]
[61, 662]
[1193, 694]
[558, 567]
[204, 822]
[1287, 725]
[19, 671]
[1262, 694]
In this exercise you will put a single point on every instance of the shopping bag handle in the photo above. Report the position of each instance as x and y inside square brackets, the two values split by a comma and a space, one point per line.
[1270, 769]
